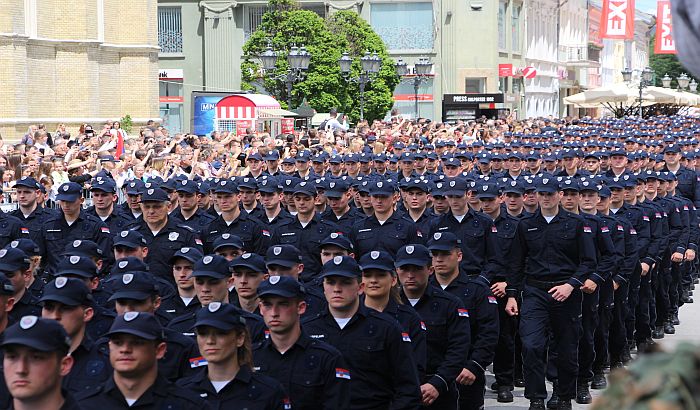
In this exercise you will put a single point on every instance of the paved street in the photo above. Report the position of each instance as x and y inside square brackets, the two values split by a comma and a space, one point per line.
[688, 331]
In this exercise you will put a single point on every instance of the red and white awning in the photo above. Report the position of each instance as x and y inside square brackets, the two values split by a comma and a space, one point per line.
[244, 106]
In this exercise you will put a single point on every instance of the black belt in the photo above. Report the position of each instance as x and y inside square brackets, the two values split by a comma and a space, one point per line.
[544, 284]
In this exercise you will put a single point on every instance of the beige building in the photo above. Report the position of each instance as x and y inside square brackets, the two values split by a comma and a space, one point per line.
[76, 61]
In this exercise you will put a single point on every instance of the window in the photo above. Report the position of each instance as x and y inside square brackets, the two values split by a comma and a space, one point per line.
[501, 25]
[474, 85]
[405, 99]
[253, 18]
[503, 84]
[515, 29]
[404, 26]
[170, 30]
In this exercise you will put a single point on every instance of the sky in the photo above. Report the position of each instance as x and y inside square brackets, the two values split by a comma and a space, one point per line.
[647, 6]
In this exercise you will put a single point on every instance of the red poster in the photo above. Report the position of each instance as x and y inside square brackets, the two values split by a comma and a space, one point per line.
[505, 70]
[287, 125]
[241, 126]
[664, 29]
[617, 20]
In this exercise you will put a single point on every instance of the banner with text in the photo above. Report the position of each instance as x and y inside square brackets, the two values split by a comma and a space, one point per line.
[617, 19]
[664, 29]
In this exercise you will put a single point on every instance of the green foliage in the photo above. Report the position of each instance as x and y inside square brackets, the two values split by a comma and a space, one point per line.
[126, 123]
[663, 64]
[285, 25]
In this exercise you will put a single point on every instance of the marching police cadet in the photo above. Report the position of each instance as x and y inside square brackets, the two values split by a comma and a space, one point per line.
[312, 372]
[130, 243]
[254, 234]
[272, 162]
[248, 191]
[339, 210]
[186, 299]
[440, 204]
[70, 224]
[229, 246]
[416, 198]
[285, 260]
[305, 231]
[35, 361]
[14, 264]
[69, 302]
[482, 307]
[386, 229]
[688, 180]
[271, 200]
[248, 271]
[104, 198]
[475, 230]
[31, 215]
[136, 344]
[228, 381]
[446, 320]
[36, 283]
[187, 212]
[132, 206]
[164, 235]
[381, 294]
[557, 255]
[334, 245]
[137, 291]
[91, 250]
[382, 372]
[212, 281]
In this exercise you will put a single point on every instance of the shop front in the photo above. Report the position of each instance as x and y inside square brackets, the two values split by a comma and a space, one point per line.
[465, 107]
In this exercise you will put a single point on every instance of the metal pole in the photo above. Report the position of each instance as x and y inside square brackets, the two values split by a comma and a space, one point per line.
[363, 80]
[641, 88]
[289, 89]
[416, 84]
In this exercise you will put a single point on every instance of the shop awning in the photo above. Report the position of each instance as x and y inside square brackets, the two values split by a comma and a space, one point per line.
[244, 106]
[275, 113]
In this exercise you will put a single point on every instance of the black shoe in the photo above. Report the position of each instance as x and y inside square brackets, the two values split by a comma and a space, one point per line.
[553, 402]
[583, 396]
[674, 319]
[658, 332]
[690, 292]
[686, 298]
[632, 346]
[565, 404]
[625, 357]
[599, 382]
[696, 281]
[669, 329]
[494, 386]
[504, 394]
[518, 382]
[536, 404]
[617, 365]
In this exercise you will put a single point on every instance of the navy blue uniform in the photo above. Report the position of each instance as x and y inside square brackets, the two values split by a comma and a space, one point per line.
[11, 228]
[256, 326]
[688, 184]
[116, 221]
[397, 231]
[346, 221]
[196, 222]
[27, 305]
[254, 234]
[173, 307]
[308, 371]
[91, 367]
[35, 221]
[101, 322]
[163, 246]
[382, 372]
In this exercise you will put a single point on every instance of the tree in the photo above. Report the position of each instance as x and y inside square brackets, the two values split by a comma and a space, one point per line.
[663, 64]
[285, 25]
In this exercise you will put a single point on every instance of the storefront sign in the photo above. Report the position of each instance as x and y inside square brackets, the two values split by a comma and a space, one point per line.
[171, 74]
[458, 99]
[505, 70]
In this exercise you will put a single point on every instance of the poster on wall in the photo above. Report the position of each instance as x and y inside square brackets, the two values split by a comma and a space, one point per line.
[617, 19]
[203, 113]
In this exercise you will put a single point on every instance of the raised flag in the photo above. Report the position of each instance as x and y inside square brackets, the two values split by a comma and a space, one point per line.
[617, 19]
[664, 29]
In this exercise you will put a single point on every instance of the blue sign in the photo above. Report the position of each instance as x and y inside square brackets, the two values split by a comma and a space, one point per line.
[205, 112]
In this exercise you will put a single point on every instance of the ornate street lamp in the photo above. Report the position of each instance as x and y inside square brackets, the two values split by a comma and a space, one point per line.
[298, 59]
[422, 71]
[370, 64]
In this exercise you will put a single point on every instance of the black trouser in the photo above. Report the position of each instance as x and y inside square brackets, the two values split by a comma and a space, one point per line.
[472, 397]
[540, 313]
[606, 304]
[447, 400]
[645, 302]
[660, 285]
[586, 345]
[618, 334]
[504, 360]
[674, 289]
[630, 309]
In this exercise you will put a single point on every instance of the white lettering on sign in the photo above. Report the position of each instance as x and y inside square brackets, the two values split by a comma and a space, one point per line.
[617, 18]
[207, 106]
[666, 38]
[473, 99]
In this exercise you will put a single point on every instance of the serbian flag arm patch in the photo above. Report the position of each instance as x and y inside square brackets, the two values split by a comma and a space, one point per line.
[198, 362]
[341, 373]
[105, 229]
[405, 337]
[463, 312]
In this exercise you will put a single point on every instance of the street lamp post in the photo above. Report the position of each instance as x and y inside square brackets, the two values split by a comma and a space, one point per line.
[370, 64]
[298, 60]
[683, 81]
[422, 71]
[644, 82]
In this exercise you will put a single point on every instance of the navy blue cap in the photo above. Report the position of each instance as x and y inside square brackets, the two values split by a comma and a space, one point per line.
[380, 260]
[76, 265]
[227, 239]
[604, 191]
[381, 188]
[438, 188]
[213, 266]
[305, 188]
[104, 185]
[406, 157]
[187, 186]
[443, 241]
[339, 240]
[381, 158]
[135, 187]
[345, 266]
[547, 184]
[222, 316]
[252, 261]
[254, 156]
[629, 181]
[288, 161]
[673, 148]
[569, 184]
[484, 158]
[136, 285]
[272, 155]
[140, 324]
[187, 253]
[128, 264]
[487, 190]
[283, 255]
[282, 286]
[587, 185]
[69, 191]
[168, 186]
[203, 188]
[46, 335]
[13, 259]
[269, 185]
[288, 184]
[154, 195]
[247, 182]
[335, 159]
[82, 247]
[421, 184]
[456, 186]
[414, 254]
[28, 182]
[26, 245]
[615, 182]
[6, 286]
[337, 188]
[130, 238]
[514, 187]
[154, 181]
[108, 158]
[451, 162]
[351, 158]
[226, 186]
[318, 158]
[68, 291]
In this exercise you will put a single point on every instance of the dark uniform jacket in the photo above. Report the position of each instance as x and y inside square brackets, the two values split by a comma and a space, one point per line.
[163, 246]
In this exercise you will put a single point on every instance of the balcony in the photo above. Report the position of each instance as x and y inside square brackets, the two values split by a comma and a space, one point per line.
[579, 56]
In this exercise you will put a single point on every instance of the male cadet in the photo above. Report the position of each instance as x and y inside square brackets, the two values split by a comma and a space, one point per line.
[132, 205]
[164, 235]
[70, 224]
[271, 200]
[386, 229]
[305, 231]
[104, 198]
[186, 299]
[138, 292]
[285, 260]
[288, 354]
[688, 179]
[89, 249]
[31, 215]
[248, 271]
[187, 212]
[35, 360]
[254, 234]
[339, 211]
[272, 162]
[136, 343]
[618, 163]
[558, 254]
[248, 191]
[440, 204]
[301, 161]
[69, 302]
[36, 282]
[229, 246]
[475, 230]
[14, 265]
[416, 198]
[447, 325]
[382, 372]
[212, 280]
[475, 294]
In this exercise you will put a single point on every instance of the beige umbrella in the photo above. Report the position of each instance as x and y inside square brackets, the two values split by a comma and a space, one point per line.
[616, 93]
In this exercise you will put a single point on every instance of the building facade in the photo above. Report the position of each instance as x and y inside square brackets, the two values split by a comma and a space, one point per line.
[76, 61]
[542, 91]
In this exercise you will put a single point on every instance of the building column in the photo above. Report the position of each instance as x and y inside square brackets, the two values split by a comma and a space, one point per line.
[221, 69]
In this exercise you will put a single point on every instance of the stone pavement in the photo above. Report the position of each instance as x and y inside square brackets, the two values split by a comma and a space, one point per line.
[688, 331]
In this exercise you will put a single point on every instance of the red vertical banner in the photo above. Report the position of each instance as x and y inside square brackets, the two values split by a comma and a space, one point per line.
[617, 19]
[287, 125]
[664, 29]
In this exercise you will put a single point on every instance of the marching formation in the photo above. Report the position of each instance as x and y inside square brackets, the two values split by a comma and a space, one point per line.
[388, 273]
